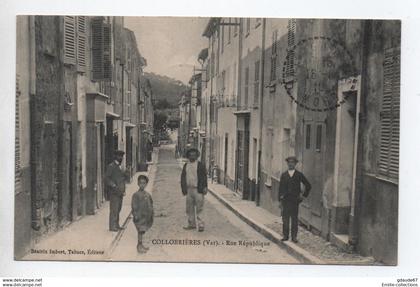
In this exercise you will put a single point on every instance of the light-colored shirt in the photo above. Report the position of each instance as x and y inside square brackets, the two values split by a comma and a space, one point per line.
[191, 173]
[291, 172]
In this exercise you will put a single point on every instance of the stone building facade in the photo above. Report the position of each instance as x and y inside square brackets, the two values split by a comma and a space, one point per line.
[76, 102]
[326, 91]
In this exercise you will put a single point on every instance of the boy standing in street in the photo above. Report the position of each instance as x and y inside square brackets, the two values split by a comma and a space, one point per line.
[290, 197]
[142, 210]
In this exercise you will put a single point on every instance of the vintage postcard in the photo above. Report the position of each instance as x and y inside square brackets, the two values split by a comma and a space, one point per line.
[211, 140]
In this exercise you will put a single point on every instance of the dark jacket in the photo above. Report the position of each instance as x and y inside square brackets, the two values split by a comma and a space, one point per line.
[115, 179]
[142, 210]
[289, 188]
[201, 176]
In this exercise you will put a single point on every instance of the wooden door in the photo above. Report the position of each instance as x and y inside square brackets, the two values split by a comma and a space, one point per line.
[109, 141]
[47, 184]
[240, 162]
[100, 165]
[314, 135]
[66, 192]
[128, 149]
[243, 161]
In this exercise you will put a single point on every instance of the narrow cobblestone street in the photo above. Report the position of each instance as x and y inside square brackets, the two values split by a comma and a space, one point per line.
[222, 227]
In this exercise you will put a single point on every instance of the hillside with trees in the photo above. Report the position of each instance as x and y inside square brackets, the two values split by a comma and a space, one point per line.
[166, 91]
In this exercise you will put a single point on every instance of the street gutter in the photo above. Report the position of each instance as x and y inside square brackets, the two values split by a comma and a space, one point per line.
[292, 248]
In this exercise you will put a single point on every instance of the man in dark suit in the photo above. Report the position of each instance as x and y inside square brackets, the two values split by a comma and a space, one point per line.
[290, 196]
[194, 187]
[115, 179]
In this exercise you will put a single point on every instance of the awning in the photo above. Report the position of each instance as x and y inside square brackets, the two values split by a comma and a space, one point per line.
[148, 132]
[112, 115]
[242, 113]
[129, 125]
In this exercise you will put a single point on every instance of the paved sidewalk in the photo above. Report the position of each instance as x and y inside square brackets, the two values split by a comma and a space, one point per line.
[89, 239]
[311, 249]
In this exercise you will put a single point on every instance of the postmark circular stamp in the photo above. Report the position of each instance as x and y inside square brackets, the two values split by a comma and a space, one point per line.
[316, 64]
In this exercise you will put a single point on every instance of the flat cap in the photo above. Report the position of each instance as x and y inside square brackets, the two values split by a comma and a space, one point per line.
[193, 149]
[292, 158]
[119, 152]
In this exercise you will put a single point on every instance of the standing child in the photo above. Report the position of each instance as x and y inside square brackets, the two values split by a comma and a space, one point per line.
[142, 210]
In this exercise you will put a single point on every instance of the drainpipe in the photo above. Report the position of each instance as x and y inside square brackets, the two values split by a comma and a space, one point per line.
[358, 156]
[238, 97]
[35, 193]
[189, 117]
[122, 102]
[210, 110]
[261, 107]
[60, 128]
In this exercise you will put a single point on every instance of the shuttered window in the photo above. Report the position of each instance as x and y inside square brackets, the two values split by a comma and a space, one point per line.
[256, 83]
[273, 57]
[222, 28]
[107, 72]
[69, 40]
[17, 140]
[229, 30]
[246, 86]
[223, 81]
[81, 43]
[101, 49]
[390, 115]
[290, 57]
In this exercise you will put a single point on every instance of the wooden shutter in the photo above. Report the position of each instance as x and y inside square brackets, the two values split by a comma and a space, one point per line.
[390, 115]
[69, 40]
[273, 57]
[107, 52]
[97, 51]
[290, 57]
[256, 83]
[101, 49]
[17, 139]
[222, 28]
[246, 87]
[81, 43]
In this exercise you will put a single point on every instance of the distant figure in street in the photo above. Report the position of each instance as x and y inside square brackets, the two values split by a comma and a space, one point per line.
[194, 187]
[290, 196]
[115, 180]
[142, 210]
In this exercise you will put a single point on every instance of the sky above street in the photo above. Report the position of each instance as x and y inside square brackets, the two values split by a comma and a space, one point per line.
[169, 44]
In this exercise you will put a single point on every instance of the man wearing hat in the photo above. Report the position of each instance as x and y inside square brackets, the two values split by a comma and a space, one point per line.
[194, 187]
[115, 181]
[290, 195]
